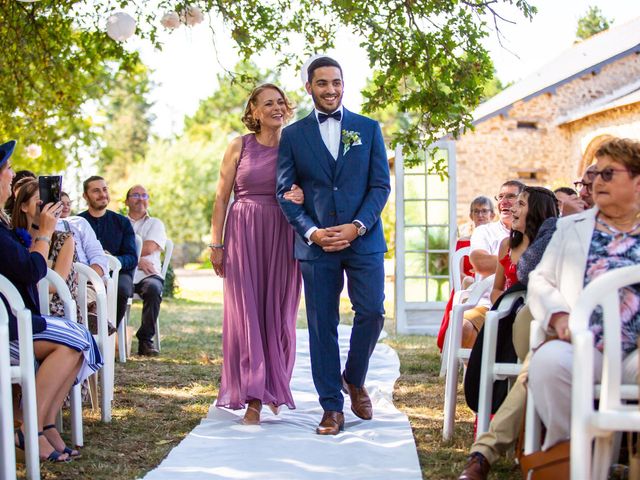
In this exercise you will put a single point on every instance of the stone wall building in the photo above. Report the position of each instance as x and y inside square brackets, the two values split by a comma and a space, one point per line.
[544, 129]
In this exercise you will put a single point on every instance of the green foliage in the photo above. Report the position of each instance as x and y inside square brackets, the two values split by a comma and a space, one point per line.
[170, 284]
[431, 62]
[592, 22]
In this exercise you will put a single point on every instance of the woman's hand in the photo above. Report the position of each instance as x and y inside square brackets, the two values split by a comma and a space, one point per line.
[217, 257]
[49, 215]
[560, 323]
[295, 195]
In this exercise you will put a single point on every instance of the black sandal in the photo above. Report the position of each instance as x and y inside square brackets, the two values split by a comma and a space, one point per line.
[53, 457]
[67, 450]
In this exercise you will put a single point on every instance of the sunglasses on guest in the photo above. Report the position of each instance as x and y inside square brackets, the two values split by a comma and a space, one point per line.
[605, 173]
[139, 196]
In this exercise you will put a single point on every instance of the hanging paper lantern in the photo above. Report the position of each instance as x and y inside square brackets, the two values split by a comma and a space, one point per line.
[33, 150]
[192, 15]
[170, 20]
[305, 66]
[121, 26]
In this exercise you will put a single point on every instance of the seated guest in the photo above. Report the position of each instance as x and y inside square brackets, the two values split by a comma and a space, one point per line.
[115, 234]
[485, 243]
[15, 186]
[533, 206]
[565, 195]
[480, 212]
[65, 350]
[507, 422]
[62, 252]
[148, 283]
[585, 246]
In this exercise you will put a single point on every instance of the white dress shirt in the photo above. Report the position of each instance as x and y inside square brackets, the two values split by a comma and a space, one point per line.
[150, 228]
[88, 248]
[330, 131]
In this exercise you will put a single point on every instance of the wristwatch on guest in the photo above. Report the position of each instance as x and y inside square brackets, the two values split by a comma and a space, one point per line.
[360, 227]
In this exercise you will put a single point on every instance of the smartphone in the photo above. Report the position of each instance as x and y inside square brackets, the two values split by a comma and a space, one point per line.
[50, 187]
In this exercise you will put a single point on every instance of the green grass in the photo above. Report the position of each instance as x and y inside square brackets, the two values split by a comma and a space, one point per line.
[158, 401]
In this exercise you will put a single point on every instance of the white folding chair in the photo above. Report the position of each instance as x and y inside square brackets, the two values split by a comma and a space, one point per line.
[456, 354]
[60, 287]
[24, 375]
[122, 328]
[458, 296]
[7, 453]
[112, 312]
[86, 275]
[612, 415]
[490, 370]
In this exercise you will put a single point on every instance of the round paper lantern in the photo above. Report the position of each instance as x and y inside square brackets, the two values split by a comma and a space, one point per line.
[192, 15]
[120, 26]
[34, 150]
[305, 66]
[170, 20]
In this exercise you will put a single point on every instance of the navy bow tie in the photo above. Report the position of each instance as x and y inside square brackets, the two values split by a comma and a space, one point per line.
[322, 117]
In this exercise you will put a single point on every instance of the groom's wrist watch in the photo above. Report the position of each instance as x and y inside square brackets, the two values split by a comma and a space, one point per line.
[361, 229]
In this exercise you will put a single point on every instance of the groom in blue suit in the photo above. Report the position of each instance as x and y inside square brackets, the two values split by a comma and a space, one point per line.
[339, 160]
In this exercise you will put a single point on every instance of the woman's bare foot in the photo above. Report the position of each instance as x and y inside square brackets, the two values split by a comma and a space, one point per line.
[252, 415]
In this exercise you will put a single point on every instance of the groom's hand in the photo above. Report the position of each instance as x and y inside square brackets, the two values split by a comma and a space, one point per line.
[334, 239]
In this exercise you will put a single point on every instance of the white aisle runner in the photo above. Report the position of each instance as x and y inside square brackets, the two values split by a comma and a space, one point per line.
[285, 447]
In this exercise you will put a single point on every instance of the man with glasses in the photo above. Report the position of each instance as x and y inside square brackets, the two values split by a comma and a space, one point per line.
[147, 282]
[485, 243]
[114, 233]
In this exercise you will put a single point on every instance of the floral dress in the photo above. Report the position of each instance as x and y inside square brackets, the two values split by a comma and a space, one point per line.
[56, 307]
[608, 252]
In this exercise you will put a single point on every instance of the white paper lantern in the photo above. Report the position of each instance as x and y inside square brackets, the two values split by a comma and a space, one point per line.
[121, 26]
[305, 66]
[170, 20]
[33, 150]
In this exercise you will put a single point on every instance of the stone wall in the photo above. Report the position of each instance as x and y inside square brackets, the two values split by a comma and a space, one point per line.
[532, 143]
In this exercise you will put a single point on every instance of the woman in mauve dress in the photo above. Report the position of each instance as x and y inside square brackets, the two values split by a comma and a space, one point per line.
[261, 277]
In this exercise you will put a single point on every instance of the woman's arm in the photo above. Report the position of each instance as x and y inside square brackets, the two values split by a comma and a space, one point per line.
[499, 281]
[226, 180]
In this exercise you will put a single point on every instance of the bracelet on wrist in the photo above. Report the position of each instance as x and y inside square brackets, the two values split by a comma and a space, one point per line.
[216, 245]
[42, 238]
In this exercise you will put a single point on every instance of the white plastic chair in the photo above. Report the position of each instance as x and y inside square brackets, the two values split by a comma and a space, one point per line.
[490, 370]
[459, 294]
[60, 287]
[612, 415]
[168, 252]
[112, 310]
[456, 354]
[24, 374]
[86, 275]
[122, 328]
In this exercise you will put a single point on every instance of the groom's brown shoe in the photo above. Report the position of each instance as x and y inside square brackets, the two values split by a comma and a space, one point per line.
[360, 401]
[332, 423]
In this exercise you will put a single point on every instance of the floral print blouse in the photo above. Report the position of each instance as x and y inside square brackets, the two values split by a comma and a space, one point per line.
[608, 253]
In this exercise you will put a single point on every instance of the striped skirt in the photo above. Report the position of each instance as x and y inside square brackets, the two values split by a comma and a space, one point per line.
[73, 335]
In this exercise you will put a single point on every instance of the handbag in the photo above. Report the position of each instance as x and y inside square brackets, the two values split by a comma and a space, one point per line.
[552, 464]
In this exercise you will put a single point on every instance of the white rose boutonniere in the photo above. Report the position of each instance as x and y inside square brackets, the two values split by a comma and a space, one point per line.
[350, 139]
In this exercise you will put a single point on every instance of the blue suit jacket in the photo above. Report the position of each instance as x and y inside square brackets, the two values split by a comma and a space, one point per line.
[355, 186]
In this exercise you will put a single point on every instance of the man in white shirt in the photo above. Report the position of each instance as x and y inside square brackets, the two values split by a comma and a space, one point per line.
[485, 243]
[148, 281]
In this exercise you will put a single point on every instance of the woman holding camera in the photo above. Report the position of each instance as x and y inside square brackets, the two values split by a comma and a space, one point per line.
[65, 350]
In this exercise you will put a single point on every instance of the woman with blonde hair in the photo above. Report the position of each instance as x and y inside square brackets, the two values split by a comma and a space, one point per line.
[255, 257]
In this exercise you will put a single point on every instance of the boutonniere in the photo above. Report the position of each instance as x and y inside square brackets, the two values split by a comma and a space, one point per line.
[350, 139]
[24, 237]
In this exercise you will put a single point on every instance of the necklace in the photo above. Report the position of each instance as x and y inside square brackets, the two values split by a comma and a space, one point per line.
[617, 233]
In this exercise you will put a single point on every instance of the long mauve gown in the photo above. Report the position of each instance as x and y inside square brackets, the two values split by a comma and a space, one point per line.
[261, 287]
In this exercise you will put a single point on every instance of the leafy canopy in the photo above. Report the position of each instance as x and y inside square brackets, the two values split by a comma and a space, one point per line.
[591, 23]
[429, 61]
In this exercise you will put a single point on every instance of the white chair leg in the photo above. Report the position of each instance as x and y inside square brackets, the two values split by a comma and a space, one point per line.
[122, 336]
[157, 335]
[602, 456]
[31, 430]
[109, 365]
[76, 416]
[445, 353]
[105, 396]
[7, 451]
[532, 432]
[451, 381]
[485, 394]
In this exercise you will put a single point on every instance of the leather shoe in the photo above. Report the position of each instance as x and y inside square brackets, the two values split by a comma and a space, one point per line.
[360, 401]
[477, 468]
[332, 423]
[147, 349]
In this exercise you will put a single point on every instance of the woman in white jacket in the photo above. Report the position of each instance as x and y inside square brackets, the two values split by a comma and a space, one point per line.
[583, 247]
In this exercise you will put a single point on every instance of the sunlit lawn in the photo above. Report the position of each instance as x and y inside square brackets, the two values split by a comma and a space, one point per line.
[158, 401]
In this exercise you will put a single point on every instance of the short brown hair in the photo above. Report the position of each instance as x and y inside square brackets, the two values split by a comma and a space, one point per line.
[247, 118]
[92, 178]
[624, 151]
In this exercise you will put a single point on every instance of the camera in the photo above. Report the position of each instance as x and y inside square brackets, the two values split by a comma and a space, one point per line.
[50, 188]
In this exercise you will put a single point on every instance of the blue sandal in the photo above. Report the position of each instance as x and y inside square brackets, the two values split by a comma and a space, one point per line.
[67, 450]
[53, 456]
